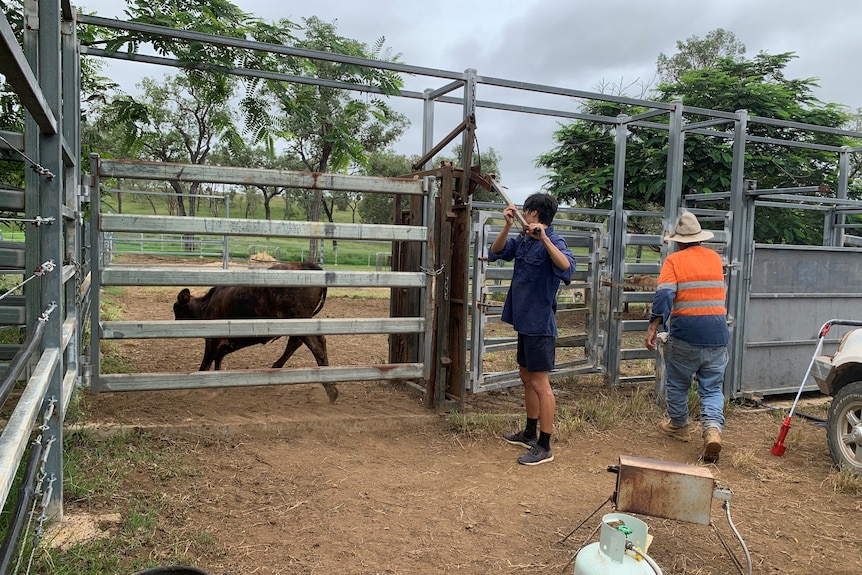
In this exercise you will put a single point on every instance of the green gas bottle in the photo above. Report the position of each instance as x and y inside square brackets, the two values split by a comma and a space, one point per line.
[621, 549]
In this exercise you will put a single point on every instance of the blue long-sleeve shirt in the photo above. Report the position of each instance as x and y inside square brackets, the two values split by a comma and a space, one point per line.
[532, 298]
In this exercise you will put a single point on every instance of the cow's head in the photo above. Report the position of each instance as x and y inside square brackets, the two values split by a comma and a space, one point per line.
[181, 306]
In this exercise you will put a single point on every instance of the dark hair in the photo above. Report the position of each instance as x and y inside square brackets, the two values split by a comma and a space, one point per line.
[545, 204]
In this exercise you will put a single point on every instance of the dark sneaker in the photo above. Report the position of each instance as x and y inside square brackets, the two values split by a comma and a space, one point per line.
[520, 439]
[536, 456]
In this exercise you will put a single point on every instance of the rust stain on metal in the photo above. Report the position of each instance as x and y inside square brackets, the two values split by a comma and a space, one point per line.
[314, 177]
[665, 489]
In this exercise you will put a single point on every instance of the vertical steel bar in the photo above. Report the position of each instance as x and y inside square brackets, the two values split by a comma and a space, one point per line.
[837, 231]
[51, 197]
[672, 203]
[98, 263]
[427, 126]
[73, 228]
[616, 255]
[741, 246]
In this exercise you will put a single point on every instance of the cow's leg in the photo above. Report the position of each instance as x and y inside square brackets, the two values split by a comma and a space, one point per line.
[317, 345]
[210, 349]
[293, 344]
[223, 348]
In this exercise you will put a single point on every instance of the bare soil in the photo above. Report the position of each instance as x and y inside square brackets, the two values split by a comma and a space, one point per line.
[283, 482]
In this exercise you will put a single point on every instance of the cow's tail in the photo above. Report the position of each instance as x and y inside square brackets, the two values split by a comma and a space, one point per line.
[321, 302]
[314, 266]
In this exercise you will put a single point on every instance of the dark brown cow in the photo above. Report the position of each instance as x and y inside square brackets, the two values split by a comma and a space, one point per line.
[230, 302]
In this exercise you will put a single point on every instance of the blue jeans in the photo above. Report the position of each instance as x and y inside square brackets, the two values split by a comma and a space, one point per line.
[682, 361]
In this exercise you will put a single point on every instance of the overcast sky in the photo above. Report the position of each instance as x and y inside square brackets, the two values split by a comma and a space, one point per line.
[573, 44]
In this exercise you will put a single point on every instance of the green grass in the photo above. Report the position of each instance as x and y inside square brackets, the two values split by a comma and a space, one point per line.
[595, 412]
[94, 468]
[339, 253]
[113, 360]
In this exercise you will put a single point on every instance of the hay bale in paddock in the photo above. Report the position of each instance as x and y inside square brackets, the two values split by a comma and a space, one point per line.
[262, 257]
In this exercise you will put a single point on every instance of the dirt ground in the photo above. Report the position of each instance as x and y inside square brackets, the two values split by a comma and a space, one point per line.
[286, 483]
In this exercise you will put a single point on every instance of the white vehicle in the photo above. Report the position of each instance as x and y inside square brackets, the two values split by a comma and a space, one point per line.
[840, 376]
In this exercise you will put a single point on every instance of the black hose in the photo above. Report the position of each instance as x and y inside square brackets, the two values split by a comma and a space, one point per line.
[19, 362]
[802, 415]
[25, 498]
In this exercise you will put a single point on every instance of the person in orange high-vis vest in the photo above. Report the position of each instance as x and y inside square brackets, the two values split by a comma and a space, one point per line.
[690, 302]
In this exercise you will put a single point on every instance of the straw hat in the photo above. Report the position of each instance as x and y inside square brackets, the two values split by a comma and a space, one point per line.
[688, 230]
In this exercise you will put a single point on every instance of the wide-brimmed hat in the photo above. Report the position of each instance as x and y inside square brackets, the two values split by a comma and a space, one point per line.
[688, 230]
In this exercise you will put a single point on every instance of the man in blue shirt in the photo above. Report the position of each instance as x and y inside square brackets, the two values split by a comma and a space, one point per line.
[542, 261]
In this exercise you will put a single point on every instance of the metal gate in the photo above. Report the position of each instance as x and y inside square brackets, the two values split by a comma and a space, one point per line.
[794, 290]
[578, 306]
[112, 274]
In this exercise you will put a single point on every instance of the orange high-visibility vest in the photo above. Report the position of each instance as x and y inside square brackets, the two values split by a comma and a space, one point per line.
[696, 275]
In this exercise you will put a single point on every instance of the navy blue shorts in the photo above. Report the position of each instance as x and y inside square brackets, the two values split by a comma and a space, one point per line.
[537, 352]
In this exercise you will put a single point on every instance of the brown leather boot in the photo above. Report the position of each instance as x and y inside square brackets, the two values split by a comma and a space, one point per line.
[678, 432]
[711, 444]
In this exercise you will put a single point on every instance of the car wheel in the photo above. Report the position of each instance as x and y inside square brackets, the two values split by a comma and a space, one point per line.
[844, 427]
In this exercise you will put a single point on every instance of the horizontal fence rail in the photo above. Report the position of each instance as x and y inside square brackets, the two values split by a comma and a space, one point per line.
[259, 327]
[144, 276]
[257, 177]
[241, 227]
[166, 275]
[251, 377]
[18, 429]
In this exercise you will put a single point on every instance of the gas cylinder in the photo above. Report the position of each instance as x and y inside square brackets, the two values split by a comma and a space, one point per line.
[609, 555]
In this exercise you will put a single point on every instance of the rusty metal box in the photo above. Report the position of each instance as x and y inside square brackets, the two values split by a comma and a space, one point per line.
[664, 489]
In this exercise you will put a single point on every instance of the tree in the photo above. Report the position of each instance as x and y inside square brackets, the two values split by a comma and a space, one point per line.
[178, 120]
[759, 86]
[581, 165]
[377, 208]
[697, 54]
[94, 88]
[202, 81]
[329, 129]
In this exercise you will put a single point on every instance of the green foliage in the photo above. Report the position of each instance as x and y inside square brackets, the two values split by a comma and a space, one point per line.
[377, 208]
[328, 128]
[216, 17]
[697, 54]
[581, 165]
[94, 86]
[759, 86]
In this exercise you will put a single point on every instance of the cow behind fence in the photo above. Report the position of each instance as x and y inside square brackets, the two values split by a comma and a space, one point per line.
[251, 302]
[641, 282]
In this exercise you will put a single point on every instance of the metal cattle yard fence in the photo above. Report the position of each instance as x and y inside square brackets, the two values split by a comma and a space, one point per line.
[131, 275]
[443, 290]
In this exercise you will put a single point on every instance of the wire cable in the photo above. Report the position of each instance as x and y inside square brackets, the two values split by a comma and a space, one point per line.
[736, 562]
[653, 565]
[42, 171]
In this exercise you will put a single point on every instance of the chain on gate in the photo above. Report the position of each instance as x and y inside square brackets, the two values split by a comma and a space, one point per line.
[435, 273]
